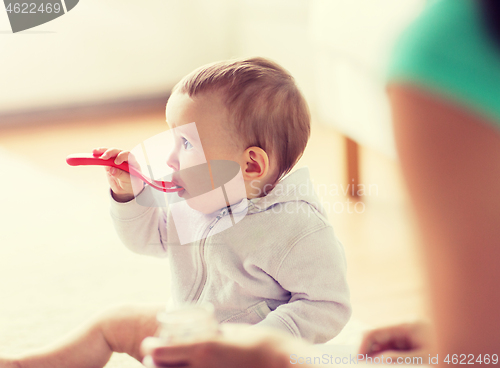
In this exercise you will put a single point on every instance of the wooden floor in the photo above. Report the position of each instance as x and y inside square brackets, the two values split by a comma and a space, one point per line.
[380, 241]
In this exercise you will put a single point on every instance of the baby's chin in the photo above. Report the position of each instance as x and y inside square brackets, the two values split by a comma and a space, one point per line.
[205, 205]
[212, 202]
[215, 200]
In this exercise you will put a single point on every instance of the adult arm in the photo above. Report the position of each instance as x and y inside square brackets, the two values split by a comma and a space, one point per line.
[450, 157]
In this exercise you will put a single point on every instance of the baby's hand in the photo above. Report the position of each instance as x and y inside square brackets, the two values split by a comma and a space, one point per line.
[120, 181]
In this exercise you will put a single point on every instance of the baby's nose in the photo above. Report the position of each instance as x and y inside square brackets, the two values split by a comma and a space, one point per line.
[173, 160]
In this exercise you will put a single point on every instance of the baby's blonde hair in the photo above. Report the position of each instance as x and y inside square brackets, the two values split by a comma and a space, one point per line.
[265, 106]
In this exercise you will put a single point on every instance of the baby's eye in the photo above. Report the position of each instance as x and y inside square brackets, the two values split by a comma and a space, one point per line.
[187, 145]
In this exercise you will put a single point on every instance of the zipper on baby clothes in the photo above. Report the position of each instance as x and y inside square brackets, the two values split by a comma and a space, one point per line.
[202, 255]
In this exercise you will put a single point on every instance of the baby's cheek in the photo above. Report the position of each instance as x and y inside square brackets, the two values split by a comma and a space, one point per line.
[192, 159]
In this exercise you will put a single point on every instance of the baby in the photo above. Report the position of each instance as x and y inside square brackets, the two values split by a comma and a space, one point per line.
[267, 256]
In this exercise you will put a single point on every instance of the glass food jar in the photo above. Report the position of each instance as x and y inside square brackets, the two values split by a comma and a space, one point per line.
[188, 324]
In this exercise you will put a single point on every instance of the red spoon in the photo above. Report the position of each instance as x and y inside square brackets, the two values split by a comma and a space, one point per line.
[89, 159]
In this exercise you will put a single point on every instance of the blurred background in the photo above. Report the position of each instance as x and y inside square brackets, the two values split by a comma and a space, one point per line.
[101, 75]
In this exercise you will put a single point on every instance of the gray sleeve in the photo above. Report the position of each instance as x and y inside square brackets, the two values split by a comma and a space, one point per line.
[314, 272]
[141, 227]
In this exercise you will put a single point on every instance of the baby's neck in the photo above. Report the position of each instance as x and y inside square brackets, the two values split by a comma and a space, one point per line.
[258, 190]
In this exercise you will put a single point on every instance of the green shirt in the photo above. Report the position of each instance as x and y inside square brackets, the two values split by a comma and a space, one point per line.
[449, 50]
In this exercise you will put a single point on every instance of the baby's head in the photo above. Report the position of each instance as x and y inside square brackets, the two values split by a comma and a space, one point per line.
[247, 111]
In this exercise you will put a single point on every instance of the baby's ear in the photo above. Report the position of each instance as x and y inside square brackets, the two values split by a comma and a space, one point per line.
[256, 164]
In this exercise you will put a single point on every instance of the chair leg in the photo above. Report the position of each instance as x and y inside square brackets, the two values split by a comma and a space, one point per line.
[352, 151]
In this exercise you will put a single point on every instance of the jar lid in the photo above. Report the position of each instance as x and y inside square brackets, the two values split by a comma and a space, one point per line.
[189, 313]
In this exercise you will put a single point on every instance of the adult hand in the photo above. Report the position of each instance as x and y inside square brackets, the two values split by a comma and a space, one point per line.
[408, 339]
[237, 346]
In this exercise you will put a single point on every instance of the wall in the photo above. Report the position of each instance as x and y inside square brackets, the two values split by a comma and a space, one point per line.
[352, 41]
[336, 49]
[109, 50]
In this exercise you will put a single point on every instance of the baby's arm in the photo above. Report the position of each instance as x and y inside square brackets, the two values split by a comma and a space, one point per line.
[314, 272]
[141, 227]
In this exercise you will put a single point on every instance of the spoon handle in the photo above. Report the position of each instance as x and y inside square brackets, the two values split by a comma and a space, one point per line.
[88, 159]
[85, 159]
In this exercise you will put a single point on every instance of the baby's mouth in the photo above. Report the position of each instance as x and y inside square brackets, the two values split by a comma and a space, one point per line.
[181, 193]
[178, 185]
[177, 182]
